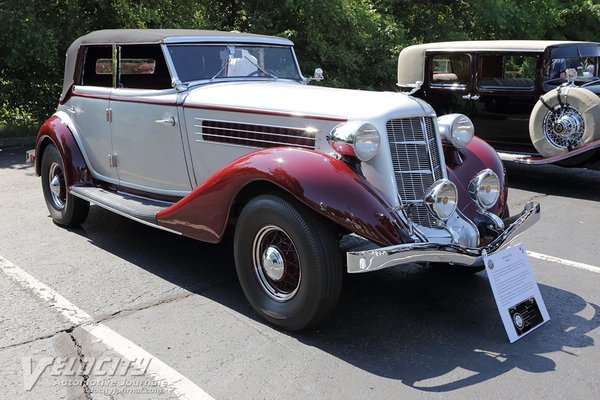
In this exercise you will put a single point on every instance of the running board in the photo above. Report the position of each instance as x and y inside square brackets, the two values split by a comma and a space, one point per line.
[140, 209]
[539, 160]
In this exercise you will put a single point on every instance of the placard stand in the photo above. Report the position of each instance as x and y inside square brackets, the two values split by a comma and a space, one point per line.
[516, 292]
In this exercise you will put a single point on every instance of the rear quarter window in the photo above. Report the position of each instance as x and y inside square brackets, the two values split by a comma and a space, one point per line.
[97, 66]
[450, 70]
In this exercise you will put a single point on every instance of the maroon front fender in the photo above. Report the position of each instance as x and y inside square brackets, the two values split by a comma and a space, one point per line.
[464, 164]
[56, 131]
[323, 183]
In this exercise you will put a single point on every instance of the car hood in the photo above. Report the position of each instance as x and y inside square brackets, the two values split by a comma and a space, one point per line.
[299, 100]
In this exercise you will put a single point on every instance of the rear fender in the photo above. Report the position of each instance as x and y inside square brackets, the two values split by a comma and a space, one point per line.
[55, 131]
[323, 183]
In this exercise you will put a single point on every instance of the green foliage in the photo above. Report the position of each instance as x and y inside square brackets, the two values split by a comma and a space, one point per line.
[37, 33]
[356, 42]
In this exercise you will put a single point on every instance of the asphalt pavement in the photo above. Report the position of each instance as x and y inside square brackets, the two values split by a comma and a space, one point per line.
[115, 290]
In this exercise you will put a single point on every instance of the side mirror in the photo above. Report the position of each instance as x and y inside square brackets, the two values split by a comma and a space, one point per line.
[318, 76]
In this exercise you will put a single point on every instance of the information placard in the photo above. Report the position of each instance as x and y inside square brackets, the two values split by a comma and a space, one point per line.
[515, 289]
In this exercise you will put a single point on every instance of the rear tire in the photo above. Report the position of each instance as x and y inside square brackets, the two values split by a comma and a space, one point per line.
[288, 262]
[65, 209]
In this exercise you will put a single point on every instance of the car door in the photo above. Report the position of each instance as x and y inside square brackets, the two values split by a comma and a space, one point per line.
[504, 95]
[448, 82]
[88, 109]
[145, 128]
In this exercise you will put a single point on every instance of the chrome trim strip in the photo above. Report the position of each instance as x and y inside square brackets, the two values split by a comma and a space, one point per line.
[227, 40]
[170, 65]
[385, 257]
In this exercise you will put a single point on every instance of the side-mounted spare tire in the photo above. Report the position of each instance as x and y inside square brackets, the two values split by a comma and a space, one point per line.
[564, 119]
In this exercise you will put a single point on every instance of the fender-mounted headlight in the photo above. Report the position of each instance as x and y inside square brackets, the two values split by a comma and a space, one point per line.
[441, 199]
[484, 188]
[456, 129]
[355, 139]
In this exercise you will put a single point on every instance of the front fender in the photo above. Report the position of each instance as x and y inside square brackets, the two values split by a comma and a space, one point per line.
[464, 164]
[323, 183]
[55, 131]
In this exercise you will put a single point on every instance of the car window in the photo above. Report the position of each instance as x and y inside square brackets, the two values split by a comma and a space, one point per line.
[201, 62]
[507, 71]
[450, 70]
[97, 66]
[143, 67]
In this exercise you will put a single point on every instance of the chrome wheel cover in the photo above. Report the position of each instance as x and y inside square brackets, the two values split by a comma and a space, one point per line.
[564, 127]
[276, 263]
[56, 186]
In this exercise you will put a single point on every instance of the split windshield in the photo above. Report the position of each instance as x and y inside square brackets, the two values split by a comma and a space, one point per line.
[194, 62]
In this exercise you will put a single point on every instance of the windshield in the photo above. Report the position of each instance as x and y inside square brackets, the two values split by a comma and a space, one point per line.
[582, 62]
[195, 62]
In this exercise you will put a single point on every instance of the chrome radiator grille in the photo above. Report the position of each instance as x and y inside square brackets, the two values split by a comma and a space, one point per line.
[416, 162]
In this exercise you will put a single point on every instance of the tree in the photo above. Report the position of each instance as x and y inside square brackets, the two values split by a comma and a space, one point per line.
[356, 42]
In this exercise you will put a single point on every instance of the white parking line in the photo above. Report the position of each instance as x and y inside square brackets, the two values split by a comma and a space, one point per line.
[170, 379]
[562, 261]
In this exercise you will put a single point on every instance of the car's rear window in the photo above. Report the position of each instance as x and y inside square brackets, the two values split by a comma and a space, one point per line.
[450, 70]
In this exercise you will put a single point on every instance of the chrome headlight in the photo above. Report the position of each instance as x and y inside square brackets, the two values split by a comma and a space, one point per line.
[355, 139]
[441, 199]
[456, 129]
[484, 188]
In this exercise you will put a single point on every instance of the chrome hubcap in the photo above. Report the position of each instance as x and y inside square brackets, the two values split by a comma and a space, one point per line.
[564, 127]
[57, 186]
[276, 263]
[273, 263]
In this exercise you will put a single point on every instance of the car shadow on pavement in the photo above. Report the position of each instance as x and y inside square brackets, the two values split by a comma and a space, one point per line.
[431, 329]
[554, 180]
[438, 332]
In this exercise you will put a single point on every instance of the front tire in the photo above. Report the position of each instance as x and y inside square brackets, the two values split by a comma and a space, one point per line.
[288, 262]
[65, 209]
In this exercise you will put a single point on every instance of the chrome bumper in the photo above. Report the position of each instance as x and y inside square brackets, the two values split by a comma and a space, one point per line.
[373, 260]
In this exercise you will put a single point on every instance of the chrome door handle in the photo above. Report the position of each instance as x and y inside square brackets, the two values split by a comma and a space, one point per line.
[168, 121]
[467, 97]
[72, 110]
[471, 97]
[475, 97]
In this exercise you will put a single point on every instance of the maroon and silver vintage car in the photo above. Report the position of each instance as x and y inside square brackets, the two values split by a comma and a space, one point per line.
[200, 132]
[535, 102]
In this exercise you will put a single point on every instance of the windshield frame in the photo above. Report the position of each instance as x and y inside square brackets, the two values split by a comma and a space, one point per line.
[177, 82]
